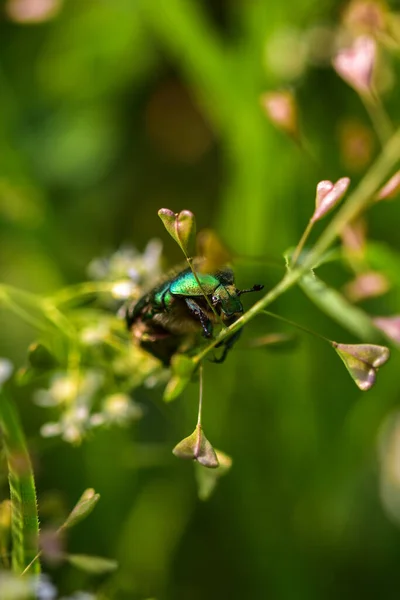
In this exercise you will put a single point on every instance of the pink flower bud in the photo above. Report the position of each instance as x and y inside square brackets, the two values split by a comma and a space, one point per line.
[367, 285]
[354, 237]
[328, 195]
[365, 16]
[390, 326]
[355, 64]
[281, 109]
[391, 189]
[32, 11]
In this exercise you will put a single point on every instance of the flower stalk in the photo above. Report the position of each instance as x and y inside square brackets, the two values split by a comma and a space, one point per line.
[357, 201]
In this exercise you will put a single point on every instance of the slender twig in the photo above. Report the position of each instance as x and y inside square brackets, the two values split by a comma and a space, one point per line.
[355, 204]
[200, 394]
[379, 119]
[80, 290]
[301, 243]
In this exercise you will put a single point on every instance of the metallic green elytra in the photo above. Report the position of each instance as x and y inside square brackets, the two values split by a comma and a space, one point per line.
[169, 317]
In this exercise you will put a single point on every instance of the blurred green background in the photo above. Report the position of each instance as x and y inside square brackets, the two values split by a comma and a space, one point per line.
[110, 110]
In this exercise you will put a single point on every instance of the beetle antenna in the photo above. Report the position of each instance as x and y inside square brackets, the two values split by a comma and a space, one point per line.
[256, 288]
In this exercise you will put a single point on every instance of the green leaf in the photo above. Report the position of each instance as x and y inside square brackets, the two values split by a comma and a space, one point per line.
[197, 447]
[338, 308]
[175, 387]
[182, 369]
[97, 565]
[182, 365]
[82, 509]
[25, 520]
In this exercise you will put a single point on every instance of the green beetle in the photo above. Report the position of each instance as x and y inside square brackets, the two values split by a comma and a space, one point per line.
[169, 317]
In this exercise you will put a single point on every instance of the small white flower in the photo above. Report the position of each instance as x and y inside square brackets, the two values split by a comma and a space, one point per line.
[119, 408]
[6, 369]
[123, 289]
[94, 334]
[43, 588]
[50, 429]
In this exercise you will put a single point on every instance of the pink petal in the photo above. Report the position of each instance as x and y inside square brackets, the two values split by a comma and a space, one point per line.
[390, 326]
[32, 11]
[391, 189]
[355, 64]
[367, 285]
[327, 197]
[323, 187]
[280, 108]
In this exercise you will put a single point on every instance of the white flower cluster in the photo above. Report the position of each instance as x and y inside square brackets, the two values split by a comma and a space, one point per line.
[40, 587]
[78, 396]
[129, 268]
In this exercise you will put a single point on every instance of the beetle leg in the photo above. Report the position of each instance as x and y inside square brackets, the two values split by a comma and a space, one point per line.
[227, 346]
[196, 310]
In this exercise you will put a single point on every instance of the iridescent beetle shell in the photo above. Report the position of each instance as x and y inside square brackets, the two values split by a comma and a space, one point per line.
[169, 318]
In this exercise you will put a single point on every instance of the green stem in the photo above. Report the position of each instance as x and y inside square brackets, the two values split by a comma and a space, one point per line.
[356, 203]
[359, 199]
[301, 243]
[289, 279]
[80, 290]
[379, 119]
[200, 394]
[25, 520]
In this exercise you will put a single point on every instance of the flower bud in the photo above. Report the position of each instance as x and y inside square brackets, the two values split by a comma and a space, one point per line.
[362, 361]
[391, 189]
[355, 64]
[328, 196]
[366, 285]
[390, 326]
[281, 110]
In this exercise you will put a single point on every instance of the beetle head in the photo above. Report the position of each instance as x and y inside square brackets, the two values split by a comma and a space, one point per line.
[227, 300]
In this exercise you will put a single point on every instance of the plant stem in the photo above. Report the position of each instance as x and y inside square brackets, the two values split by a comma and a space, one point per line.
[355, 204]
[379, 119]
[200, 394]
[359, 199]
[24, 515]
[288, 280]
[80, 290]
[301, 243]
